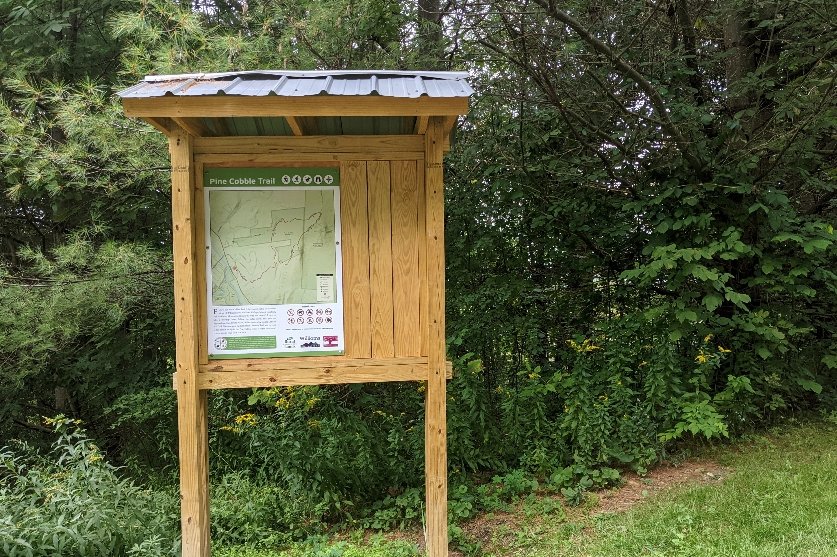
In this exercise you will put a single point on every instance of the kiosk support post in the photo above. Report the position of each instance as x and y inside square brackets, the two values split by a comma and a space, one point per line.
[191, 401]
[435, 436]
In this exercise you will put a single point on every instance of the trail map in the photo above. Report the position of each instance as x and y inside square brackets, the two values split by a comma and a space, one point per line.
[269, 246]
[273, 262]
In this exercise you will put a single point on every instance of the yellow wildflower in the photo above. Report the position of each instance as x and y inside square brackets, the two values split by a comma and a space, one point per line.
[246, 419]
[702, 358]
[707, 338]
[723, 350]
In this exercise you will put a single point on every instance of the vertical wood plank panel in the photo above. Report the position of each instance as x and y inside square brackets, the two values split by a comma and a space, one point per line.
[191, 403]
[200, 263]
[405, 279]
[380, 258]
[355, 237]
[435, 435]
[422, 259]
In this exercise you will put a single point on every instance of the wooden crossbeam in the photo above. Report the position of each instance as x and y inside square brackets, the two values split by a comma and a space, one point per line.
[231, 106]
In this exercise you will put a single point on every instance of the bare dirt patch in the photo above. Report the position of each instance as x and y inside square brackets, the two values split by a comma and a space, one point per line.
[636, 488]
[499, 530]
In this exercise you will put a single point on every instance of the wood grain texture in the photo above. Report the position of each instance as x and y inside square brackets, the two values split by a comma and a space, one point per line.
[422, 257]
[406, 284]
[201, 251]
[164, 125]
[243, 159]
[193, 126]
[191, 403]
[226, 106]
[380, 258]
[355, 250]
[293, 123]
[362, 144]
[306, 362]
[324, 370]
[421, 125]
[436, 480]
[265, 375]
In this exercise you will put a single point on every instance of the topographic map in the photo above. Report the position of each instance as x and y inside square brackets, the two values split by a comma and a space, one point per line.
[267, 247]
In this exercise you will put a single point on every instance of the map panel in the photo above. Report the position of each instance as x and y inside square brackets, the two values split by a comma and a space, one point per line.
[273, 262]
[268, 247]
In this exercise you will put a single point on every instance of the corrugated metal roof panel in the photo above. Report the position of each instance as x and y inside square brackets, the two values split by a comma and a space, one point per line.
[304, 84]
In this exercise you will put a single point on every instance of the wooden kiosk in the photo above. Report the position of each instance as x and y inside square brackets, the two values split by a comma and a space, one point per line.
[377, 138]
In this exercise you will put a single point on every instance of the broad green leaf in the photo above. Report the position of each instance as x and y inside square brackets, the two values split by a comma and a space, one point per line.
[809, 385]
[712, 301]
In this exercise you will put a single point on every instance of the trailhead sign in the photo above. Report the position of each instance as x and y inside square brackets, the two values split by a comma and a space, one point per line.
[274, 267]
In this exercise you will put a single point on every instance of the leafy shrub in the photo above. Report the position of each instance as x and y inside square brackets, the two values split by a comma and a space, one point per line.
[74, 504]
[244, 511]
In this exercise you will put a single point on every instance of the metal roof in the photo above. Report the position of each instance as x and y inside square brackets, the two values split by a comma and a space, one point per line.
[259, 83]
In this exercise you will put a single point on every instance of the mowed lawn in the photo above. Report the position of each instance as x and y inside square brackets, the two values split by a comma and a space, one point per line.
[778, 499]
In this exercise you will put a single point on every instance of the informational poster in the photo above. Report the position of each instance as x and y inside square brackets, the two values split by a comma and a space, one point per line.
[273, 265]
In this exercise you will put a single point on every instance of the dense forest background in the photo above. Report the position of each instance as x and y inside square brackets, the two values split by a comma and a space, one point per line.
[640, 248]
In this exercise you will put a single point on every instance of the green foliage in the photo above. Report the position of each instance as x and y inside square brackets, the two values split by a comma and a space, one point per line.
[74, 503]
[780, 490]
[320, 547]
[640, 245]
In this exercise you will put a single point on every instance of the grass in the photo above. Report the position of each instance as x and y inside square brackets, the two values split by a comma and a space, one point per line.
[780, 501]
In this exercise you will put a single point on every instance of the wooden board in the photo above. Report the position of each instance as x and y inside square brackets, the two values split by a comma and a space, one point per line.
[319, 375]
[435, 440]
[191, 402]
[231, 106]
[240, 159]
[405, 239]
[363, 144]
[305, 362]
[422, 258]
[380, 258]
[200, 262]
[355, 234]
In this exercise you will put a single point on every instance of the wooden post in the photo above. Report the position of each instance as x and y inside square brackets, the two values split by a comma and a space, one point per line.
[435, 429]
[191, 401]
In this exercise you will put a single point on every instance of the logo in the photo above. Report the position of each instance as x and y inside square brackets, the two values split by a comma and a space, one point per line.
[328, 319]
[296, 179]
[290, 342]
[328, 311]
[318, 179]
[300, 312]
[310, 342]
[330, 341]
[290, 312]
[306, 179]
[328, 178]
[291, 321]
[310, 320]
[286, 179]
[220, 343]
[319, 320]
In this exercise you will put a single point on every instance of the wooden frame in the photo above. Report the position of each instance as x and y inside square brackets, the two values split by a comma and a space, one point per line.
[225, 106]
[393, 283]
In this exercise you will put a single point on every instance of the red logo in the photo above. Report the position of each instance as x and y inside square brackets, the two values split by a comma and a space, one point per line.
[330, 341]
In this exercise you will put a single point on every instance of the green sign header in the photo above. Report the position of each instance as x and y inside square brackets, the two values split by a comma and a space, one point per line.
[270, 177]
